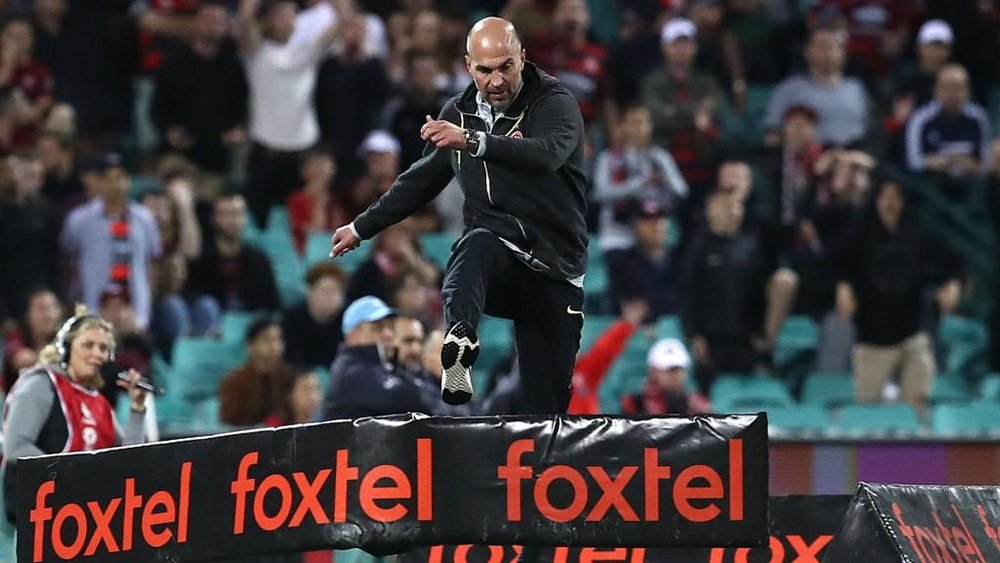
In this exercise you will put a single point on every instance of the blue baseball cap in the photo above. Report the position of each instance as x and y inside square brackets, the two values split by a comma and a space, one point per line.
[367, 309]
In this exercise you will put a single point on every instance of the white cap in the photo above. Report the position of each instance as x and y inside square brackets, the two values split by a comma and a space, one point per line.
[678, 28]
[379, 141]
[668, 353]
[935, 31]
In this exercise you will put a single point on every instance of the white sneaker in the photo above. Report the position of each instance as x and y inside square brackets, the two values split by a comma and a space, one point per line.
[459, 352]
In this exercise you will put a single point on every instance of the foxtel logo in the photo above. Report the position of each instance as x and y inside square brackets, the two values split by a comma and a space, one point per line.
[943, 542]
[700, 483]
[163, 516]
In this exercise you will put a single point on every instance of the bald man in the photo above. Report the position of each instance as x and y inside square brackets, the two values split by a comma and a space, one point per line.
[951, 135]
[514, 141]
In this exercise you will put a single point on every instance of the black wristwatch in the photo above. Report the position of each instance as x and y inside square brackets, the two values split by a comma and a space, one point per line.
[472, 141]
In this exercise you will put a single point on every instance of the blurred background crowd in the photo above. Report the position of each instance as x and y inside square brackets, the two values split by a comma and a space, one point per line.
[793, 202]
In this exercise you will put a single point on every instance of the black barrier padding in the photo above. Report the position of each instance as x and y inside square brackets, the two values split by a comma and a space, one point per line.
[801, 529]
[391, 483]
[920, 524]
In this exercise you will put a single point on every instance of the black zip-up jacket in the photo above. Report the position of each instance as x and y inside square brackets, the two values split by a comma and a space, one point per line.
[528, 187]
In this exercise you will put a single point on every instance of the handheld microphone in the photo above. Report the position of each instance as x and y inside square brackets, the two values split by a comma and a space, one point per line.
[111, 370]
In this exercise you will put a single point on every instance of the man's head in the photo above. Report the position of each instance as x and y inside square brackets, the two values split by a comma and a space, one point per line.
[265, 342]
[952, 87]
[28, 173]
[679, 41]
[48, 10]
[636, 127]
[410, 294]
[571, 18]
[889, 204]
[426, 34]
[325, 294]
[667, 364]
[724, 212]
[211, 22]
[115, 181]
[409, 342]
[934, 42]
[305, 394]
[422, 70]
[825, 52]
[17, 35]
[43, 312]
[353, 35]
[318, 166]
[735, 178]
[55, 152]
[649, 224]
[495, 59]
[368, 322]
[229, 217]
[277, 19]
[381, 153]
[800, 126]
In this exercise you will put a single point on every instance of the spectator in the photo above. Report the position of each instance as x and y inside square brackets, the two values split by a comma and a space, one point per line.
[632, 172]
[635, 54]
[412, 295]
[951, 135]
[301, 401]
[683, 103]
[361, 383]
[841, 102]
[63, 187]
[113, 241]
[34, 329]
[408, 348]
[352, 88]
[793, 169]
[312, 328]
[884, 280]
[281, 68]
[230, 275]
[407, 112]
[734, 300]
[29, 229]
[593, 365]
[135, 347]
[666, 389]
[200, 105]
[396, 250]
[249, 393]
[380, 151]
[315, 208]
[646, 270]
[719, 50]
[19, 71]
[565, 52]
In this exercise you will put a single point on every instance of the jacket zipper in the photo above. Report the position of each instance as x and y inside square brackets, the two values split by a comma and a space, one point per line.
[486, 169]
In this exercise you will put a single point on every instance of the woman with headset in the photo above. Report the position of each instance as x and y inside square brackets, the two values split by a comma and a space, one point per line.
[56, 406]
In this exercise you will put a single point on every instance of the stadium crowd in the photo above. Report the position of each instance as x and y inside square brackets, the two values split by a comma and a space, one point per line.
[755, 165]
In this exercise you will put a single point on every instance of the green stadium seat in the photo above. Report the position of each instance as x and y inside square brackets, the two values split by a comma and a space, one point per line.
[798, 334]
[733, 392]
[235, 325]
[798, 418]
[496, 341]
[990, 388]
[881, 418]
[948, 389]
[669, 327]
[199, 364]
[966, 418]
[437, 247]
[626, 376]
[593, 327]
[288, 270]
[964, 341]
[828, 389]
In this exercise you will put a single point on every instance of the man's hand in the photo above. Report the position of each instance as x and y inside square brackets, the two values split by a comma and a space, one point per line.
[343, 241]
[443, 134]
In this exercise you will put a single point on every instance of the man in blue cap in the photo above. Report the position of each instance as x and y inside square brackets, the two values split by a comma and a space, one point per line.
[361, 380]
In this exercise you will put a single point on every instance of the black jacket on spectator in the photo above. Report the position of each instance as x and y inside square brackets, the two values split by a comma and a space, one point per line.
[206, 98]
[723, 281]
[528, 187]
[635, 275]
[307, 342]
[248, 278]
[28, 254]
[362, 385]
[890, 273]
[405, 115]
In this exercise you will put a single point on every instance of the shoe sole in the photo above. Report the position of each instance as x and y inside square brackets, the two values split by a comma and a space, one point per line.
[458, 354]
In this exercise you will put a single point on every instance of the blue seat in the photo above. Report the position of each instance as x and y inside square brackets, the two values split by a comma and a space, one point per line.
[798, 334]
[990, 388]
[880, 418]
[966, 418]
[593, 327]
[948, 389]
[235, 324]
[199, 364]
[437, 247]
[828, 389]
[798, 418]
[733, 392]
[669, 327]
[625, 377]
[289, 272]
[496, 342]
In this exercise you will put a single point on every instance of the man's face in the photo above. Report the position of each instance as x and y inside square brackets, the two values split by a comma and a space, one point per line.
[933, 55]
[889, 204]
[50, 9]
[725, 214]
[799, 130]
[497, 73]
[423, 71]
[651, 232]
[211, 23]
[952, 88]
[735, 178]
[671, 379]
[409, 342]
[116, 183]
[383, 164]
[18, 36]
[268, 347]
[44, 312]
[681, 52]
[279, 22]
[571, 16]
[637, 127]
[50, 153]
[326, 297]
[377, 332]
[426, 35]
[230, 217]
[825, 53]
